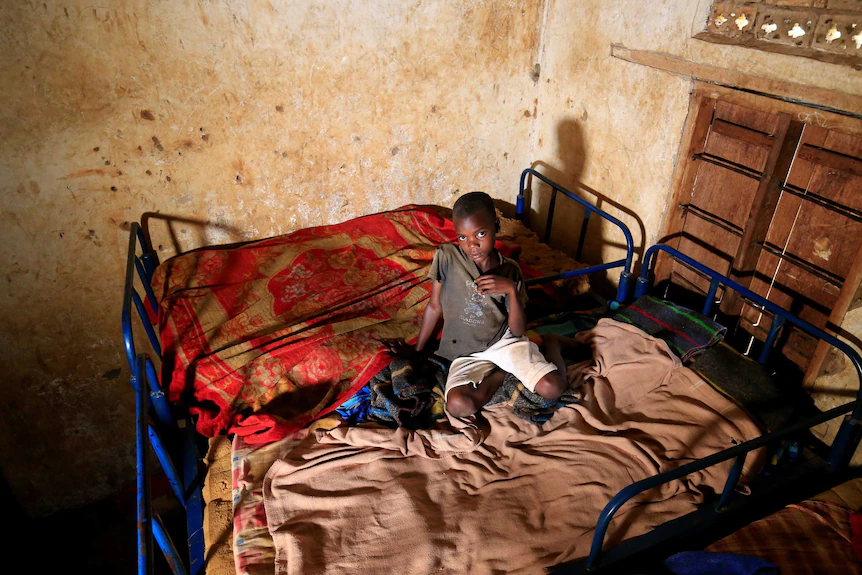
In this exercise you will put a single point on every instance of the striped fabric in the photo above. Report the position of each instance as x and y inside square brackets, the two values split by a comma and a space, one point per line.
[809, 538]
[687, 332]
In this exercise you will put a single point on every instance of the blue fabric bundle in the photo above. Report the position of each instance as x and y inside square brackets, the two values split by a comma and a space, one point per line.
[706, 563]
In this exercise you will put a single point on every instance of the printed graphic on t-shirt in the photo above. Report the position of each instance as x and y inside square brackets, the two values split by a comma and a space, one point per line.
[474, 313]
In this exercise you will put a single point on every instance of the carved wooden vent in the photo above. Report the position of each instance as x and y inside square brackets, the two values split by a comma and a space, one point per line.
[827, 30]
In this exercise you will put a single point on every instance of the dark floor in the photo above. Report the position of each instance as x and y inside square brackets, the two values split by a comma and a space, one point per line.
[97, 538]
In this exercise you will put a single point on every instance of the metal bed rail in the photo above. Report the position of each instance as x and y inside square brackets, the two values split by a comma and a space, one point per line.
[589, 210]
[842, 447]
[170, 438]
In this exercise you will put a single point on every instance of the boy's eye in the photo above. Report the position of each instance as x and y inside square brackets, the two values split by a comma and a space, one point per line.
[462, 238]
[481, 234]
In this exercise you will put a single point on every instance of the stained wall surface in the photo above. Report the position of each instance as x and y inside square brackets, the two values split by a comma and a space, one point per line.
[248, 120]
[240, 121]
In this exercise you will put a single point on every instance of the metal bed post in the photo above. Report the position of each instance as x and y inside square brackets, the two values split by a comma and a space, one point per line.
[155, 424]
[168, 548]
[625, 275]
[145, 511]
[148, 256]
[845, 442]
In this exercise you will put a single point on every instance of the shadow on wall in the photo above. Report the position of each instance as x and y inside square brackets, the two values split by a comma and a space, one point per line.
[568, 216]
[173, 235]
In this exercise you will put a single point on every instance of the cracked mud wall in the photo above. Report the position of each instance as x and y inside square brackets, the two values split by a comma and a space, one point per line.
[238, 121]
[249, 120]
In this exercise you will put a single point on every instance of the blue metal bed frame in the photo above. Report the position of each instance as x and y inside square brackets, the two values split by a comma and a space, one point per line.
[171, 433]
[589, 210]
[710, 522]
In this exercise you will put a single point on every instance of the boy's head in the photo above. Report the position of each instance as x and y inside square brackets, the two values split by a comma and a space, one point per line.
[476, 224]
[473, 203]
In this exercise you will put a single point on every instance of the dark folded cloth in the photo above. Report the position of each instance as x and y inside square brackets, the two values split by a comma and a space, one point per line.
[413, 398]
[407, 396]
[686, 331]
[772, 401]
[528, 405]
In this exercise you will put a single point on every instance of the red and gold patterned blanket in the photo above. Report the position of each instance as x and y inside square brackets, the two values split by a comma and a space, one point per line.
[260, 339]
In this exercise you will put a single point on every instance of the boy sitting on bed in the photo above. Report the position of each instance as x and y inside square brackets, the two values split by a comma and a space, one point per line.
[481, 295]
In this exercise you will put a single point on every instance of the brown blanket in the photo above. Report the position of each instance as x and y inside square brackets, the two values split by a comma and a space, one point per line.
[496, 494]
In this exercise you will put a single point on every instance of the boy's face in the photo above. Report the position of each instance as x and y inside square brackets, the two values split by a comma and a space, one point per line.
[476, 235]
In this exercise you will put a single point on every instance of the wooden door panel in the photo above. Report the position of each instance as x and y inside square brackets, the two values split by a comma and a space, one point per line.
[843, 144]
[776, 204]
[824, 240]
[836, 186]
[702, 245]
[725, 194]
[765, 122]
[736, 151]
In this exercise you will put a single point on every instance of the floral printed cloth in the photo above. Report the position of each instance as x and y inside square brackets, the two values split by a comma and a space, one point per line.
[262, 338]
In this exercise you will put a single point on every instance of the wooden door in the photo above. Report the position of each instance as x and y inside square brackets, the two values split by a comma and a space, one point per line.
[775, 203]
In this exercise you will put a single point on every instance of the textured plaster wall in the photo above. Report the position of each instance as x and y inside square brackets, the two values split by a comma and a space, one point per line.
[248, 119]
[244, 120]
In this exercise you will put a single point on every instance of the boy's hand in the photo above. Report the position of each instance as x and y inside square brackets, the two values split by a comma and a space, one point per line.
[401, 349]
[495, 285]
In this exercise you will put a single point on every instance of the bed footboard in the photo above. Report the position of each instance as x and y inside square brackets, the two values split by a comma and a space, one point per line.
[839, 454]
[589, 209]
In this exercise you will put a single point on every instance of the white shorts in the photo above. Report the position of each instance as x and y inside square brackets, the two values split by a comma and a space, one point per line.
[516, 355]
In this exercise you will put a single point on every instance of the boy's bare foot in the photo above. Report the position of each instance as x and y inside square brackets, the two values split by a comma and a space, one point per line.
[574, 351]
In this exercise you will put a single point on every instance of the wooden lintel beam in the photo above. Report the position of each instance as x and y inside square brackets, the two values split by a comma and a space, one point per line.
[829, 100]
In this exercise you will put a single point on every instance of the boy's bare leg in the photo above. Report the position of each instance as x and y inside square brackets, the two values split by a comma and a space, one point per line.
[466, 400]
[554, 384]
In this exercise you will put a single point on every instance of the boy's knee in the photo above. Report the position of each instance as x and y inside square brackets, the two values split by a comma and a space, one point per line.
[460, 404]
[552, 385]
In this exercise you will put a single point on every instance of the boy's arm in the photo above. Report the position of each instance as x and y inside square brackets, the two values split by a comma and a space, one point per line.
[432, 315]
[517, 317]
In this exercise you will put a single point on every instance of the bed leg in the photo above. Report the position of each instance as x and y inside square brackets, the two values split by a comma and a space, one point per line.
[624, 287]
[732, 480]
[194, 505]
[144, 511]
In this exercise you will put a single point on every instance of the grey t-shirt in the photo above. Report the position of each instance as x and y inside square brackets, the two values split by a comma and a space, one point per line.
[471, 321]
